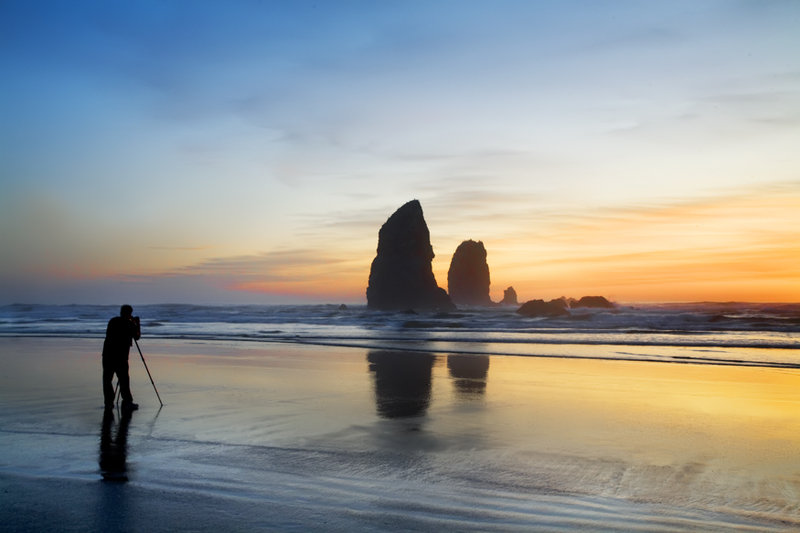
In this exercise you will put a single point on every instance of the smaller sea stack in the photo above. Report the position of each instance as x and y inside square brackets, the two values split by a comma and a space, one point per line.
[468, 277]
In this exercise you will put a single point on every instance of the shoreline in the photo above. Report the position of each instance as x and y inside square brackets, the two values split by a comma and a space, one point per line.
[445, 346]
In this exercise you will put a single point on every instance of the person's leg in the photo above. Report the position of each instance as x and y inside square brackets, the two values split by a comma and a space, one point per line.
[108, 387]
[124, 382]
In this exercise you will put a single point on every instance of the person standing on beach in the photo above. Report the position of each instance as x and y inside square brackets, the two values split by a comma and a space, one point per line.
[122, 330]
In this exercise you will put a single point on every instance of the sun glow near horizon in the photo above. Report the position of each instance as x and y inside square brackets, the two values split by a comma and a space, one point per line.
[736, 247]
[743, 247]
[739, 246]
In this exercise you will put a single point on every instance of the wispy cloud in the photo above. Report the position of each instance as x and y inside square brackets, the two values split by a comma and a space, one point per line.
[179, 248]
[302, 273]
[280, 265]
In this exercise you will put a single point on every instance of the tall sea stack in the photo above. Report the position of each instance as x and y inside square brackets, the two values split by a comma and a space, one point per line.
[401, 276]
[468, 277]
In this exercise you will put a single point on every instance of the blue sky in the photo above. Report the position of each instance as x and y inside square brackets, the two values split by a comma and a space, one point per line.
[250, 151]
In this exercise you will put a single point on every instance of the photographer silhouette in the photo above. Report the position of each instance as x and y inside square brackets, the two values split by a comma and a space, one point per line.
[122, 330]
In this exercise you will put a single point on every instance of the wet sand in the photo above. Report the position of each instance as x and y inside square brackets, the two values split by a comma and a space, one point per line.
[283, 437]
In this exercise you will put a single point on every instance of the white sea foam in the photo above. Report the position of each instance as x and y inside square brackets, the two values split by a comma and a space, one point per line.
[762, 334]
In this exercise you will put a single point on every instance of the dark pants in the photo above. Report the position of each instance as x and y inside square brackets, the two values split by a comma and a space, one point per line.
[120, 368]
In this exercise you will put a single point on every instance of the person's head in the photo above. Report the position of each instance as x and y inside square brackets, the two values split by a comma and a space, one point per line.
[126, 311]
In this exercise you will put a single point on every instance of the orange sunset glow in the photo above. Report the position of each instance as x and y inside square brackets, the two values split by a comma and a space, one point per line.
[741, 248]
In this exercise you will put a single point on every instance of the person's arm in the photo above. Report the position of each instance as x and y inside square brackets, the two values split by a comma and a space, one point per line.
[137, 330]
[107, 341]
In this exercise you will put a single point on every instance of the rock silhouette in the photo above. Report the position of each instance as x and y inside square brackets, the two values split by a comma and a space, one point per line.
[468, 277]
[401, 277]
[561, 306]
[593, 301]
[540, 308]
[509, 297]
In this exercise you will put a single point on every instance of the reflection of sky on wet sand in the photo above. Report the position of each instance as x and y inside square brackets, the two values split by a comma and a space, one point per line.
[253, 393]
[658, 413]
[675, 433]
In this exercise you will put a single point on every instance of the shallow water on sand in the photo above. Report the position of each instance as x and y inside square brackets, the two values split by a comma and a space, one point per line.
[282, 437]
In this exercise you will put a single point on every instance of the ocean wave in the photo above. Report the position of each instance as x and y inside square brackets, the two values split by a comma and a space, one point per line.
[496, 330]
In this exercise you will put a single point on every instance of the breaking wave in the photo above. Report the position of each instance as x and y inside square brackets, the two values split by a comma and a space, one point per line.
[711, 333]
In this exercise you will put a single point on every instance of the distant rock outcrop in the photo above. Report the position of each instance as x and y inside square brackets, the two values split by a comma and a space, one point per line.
[468, 276]
[561, 306]
[401, 276]
[593, 301]
[544, 309]
[509, 297]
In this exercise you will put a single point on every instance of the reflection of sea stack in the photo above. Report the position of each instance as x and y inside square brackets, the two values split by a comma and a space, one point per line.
[468, 277]
[402, 382]
[401, 276]
[469, 373]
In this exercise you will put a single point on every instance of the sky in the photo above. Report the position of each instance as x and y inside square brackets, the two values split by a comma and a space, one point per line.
[249, 151]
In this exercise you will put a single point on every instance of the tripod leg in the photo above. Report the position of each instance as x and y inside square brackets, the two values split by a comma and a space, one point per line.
[148, 373]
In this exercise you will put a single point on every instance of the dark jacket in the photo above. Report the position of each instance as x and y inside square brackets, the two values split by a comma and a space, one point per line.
[120, 334]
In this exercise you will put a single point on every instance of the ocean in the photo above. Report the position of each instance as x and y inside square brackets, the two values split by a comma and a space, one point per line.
[739, 334]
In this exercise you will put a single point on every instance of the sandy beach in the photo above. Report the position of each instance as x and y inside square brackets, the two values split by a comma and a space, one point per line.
[286, 437]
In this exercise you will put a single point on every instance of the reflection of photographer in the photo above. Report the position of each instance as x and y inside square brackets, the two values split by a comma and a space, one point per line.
[122, 330]
[114, 447]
